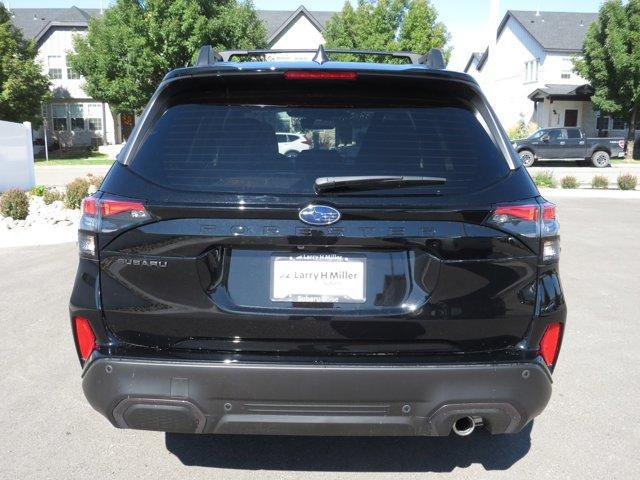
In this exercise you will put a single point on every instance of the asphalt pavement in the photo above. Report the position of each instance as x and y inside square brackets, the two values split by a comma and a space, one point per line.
[590, 429]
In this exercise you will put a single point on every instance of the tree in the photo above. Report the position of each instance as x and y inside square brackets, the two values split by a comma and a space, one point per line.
[127, 52]
[388, 25]
[611, 62]
[23, 87]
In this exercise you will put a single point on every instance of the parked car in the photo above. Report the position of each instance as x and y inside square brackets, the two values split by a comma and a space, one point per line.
[406, 286]
[291, 144]
[569, 144]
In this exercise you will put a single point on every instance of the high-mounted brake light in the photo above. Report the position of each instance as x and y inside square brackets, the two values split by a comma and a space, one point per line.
[550, 343]
[320, 75]
[85, 338]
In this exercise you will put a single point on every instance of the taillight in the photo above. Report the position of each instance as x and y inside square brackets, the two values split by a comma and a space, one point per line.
[85, 338]
[549, 229]
[89, 206]
[109, 208]
[550, 343]
[521, 219]
[511, 213]
[319, 75]
[622, 144]
[530, 220]
[106, 215]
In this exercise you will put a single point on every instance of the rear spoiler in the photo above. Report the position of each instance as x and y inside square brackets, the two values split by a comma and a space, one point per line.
[208, 56]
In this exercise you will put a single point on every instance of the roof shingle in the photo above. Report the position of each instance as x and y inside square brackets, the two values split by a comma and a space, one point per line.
[32, 21]
[554, 31]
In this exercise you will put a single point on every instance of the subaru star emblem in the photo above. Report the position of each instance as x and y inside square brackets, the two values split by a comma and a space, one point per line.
[319, 215]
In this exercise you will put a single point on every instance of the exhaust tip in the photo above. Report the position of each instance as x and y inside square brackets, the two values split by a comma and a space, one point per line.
[464, 426]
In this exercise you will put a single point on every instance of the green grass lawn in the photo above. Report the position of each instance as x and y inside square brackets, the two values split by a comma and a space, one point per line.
[74, 157]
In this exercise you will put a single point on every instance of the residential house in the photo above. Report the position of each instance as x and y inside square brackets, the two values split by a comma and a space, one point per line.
[72, 118]
[527, 73]
[75, 119]
[300, 29]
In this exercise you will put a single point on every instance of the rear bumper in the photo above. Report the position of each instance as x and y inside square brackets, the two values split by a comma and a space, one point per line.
[299, 399]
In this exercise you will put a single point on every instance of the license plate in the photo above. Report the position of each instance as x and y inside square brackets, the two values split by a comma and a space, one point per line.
[318, 279]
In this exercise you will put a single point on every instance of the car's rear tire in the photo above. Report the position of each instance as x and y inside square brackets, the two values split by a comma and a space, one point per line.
[600, 159]
[527, 157]
[292, 154]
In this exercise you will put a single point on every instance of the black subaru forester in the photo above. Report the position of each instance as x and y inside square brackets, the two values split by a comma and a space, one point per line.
[398, 277]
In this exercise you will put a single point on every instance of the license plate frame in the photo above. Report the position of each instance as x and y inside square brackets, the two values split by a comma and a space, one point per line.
[336, 267]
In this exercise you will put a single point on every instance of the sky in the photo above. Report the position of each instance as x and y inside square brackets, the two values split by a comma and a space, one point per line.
[467, 20]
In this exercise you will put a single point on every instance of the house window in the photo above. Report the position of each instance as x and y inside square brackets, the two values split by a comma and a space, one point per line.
[59, 114]
[531, 70]
[94, 116]
[76, 113]
[54, 63]
[72, 75]
[95, 124]
[567, 68]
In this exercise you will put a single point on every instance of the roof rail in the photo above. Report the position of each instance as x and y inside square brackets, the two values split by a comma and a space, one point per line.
[434, 59]
[207, 56]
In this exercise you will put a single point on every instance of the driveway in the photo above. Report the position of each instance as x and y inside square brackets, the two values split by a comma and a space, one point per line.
[589, 430]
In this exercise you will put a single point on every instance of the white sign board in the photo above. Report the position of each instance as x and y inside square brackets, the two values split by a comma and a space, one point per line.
[16, 156]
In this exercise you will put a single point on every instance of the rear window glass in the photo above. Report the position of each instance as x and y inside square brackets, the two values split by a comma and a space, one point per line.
[240, 148]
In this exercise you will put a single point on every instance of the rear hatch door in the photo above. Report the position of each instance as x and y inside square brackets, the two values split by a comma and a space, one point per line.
[240, 253]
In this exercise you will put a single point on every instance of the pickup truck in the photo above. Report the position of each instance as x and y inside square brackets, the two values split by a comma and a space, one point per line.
[568, 144]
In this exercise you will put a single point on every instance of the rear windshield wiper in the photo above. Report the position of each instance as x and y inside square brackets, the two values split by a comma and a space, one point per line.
[372, 182]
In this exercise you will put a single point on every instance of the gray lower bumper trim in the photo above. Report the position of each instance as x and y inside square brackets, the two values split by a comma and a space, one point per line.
[298, 399]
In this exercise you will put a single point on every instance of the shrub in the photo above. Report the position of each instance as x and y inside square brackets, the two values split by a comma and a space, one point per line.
[51, 196]
[627, 182]
[94, 180]
[569, 182]
[600, 181]
[76, 191]
[38, 190]
[545, 179]
[14, 203]
[521, 130]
